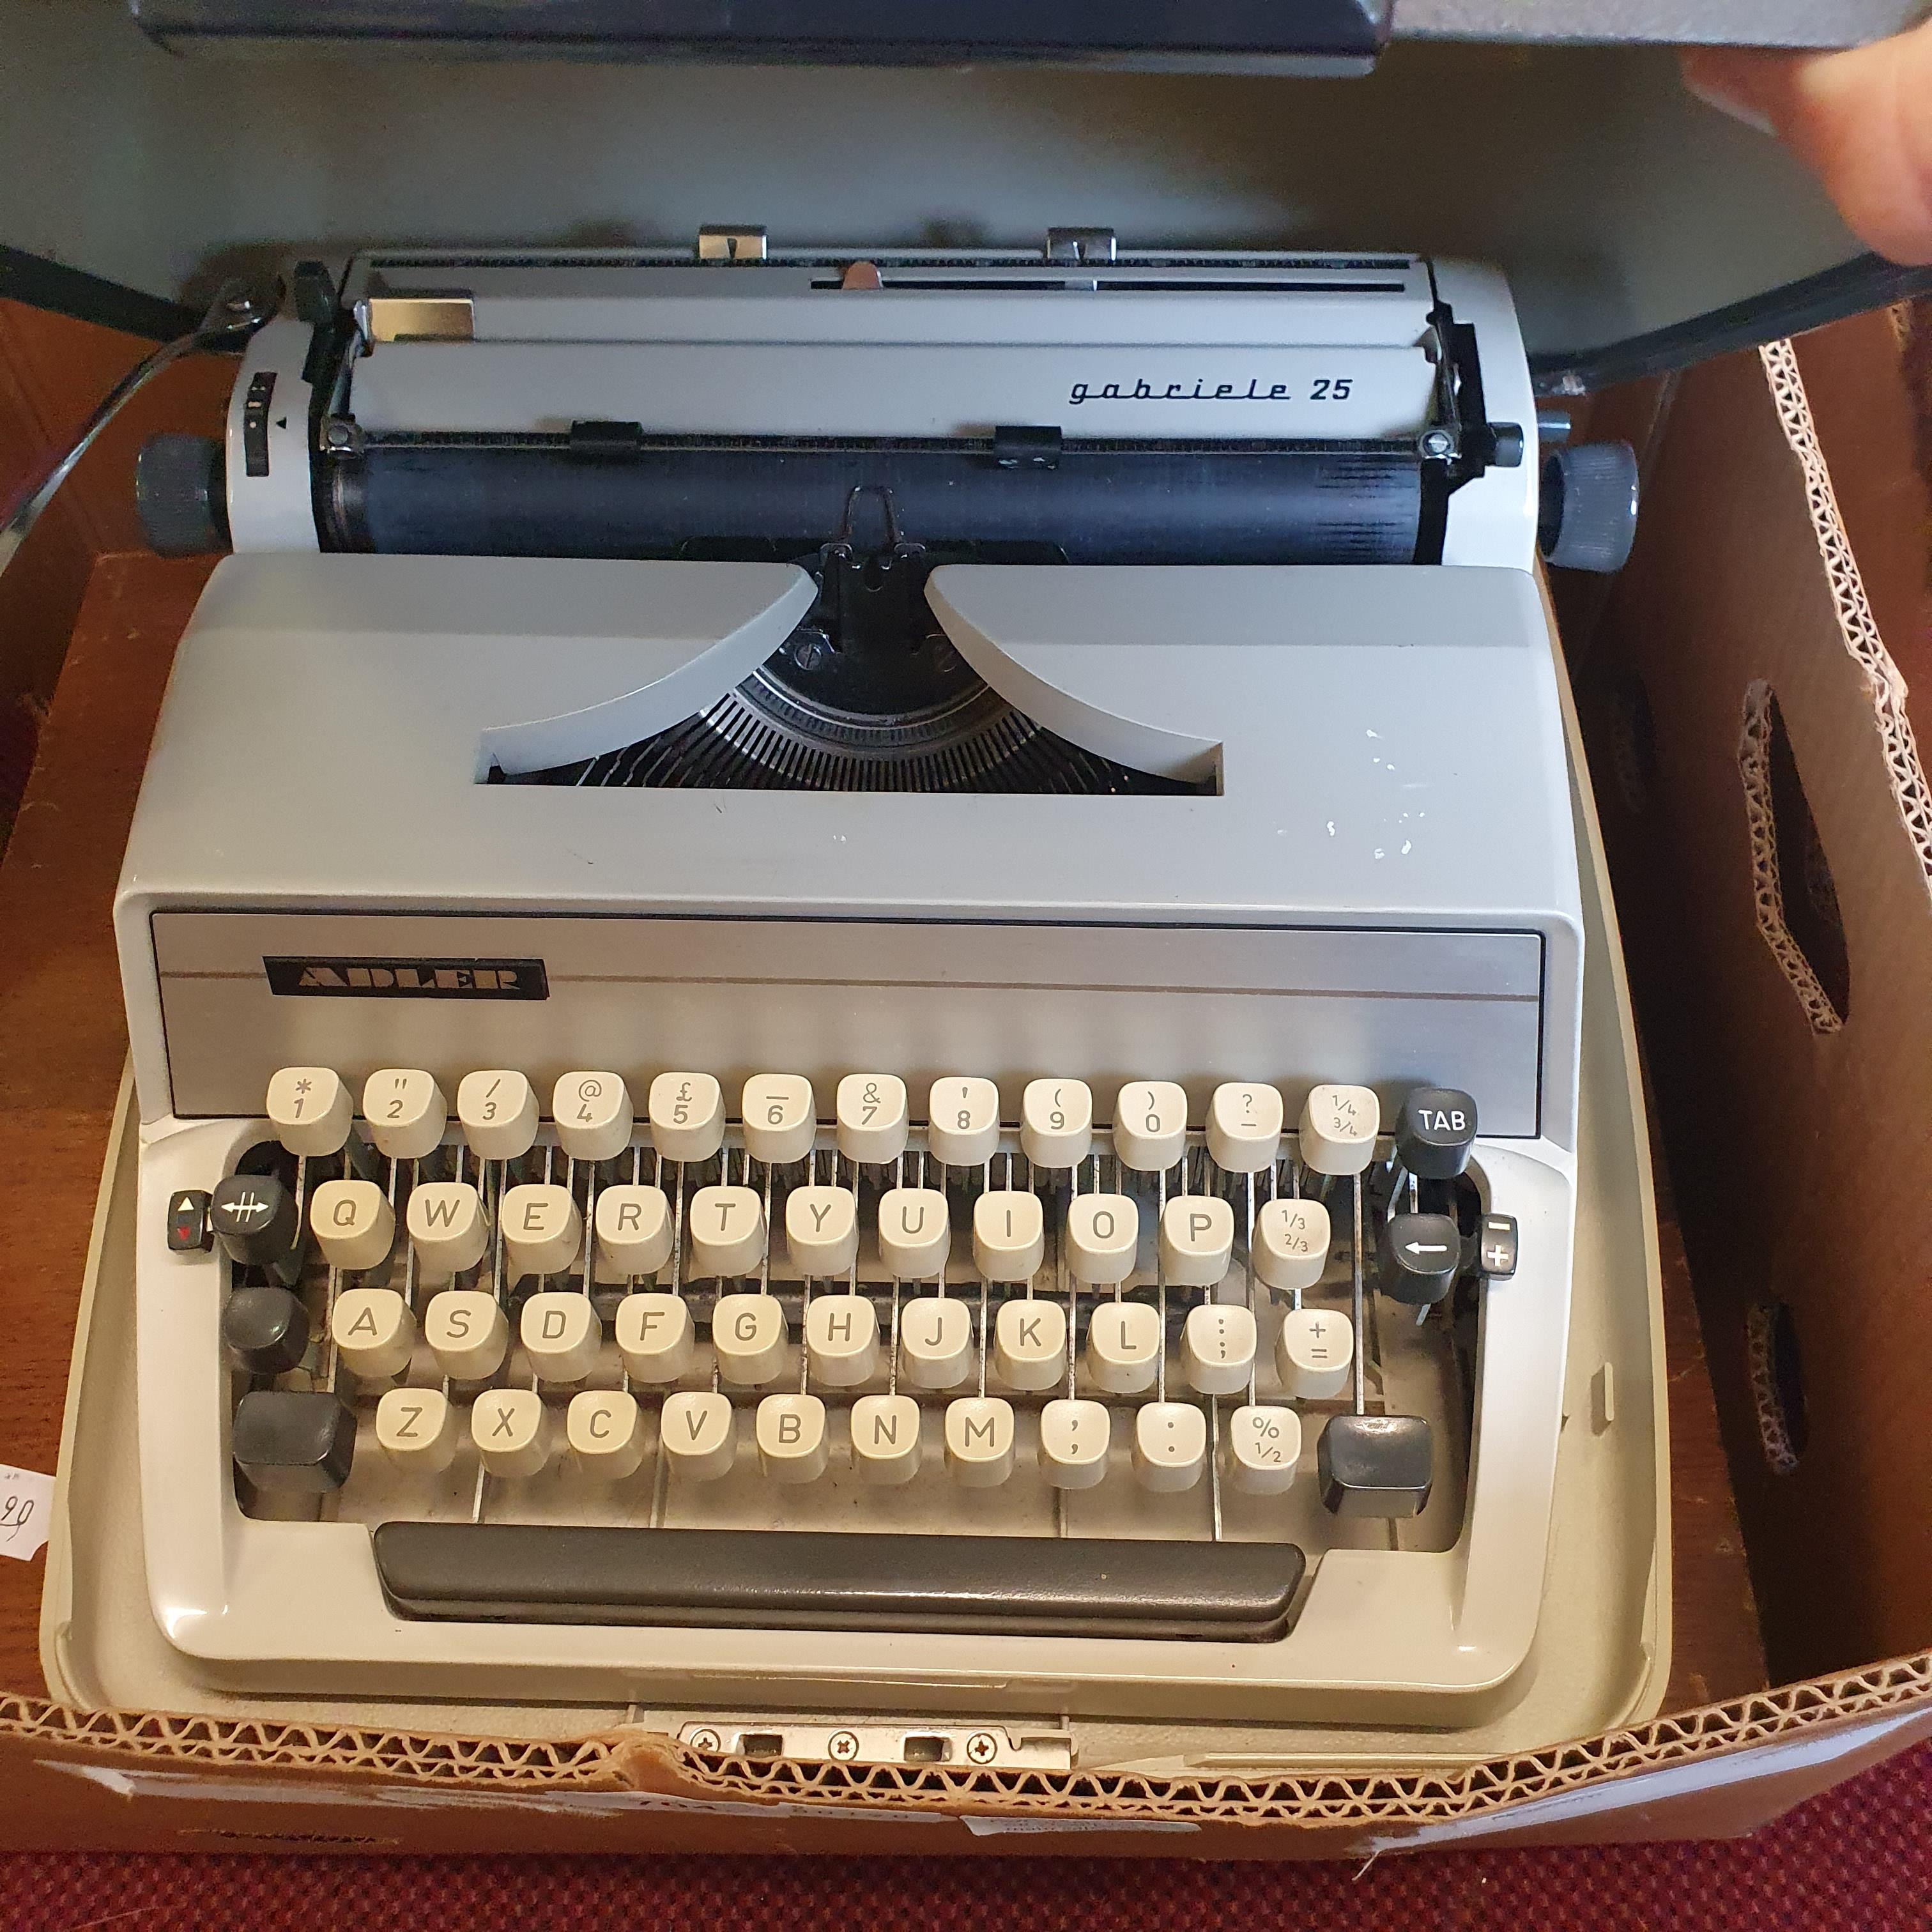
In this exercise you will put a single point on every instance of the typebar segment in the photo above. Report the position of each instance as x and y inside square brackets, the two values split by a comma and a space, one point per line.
[779, 1580]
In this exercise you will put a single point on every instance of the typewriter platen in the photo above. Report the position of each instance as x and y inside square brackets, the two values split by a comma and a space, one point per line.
[855, 985]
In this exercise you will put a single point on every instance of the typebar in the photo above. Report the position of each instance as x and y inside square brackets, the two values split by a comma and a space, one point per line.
[1009, 1585]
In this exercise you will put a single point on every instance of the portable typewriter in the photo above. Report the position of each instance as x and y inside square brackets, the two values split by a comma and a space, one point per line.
[855, 983]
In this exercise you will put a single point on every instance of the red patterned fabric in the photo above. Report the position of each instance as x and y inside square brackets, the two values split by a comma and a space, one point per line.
[1858, 1858]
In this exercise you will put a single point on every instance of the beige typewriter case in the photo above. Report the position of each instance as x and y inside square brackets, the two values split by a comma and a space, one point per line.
[1630, 220]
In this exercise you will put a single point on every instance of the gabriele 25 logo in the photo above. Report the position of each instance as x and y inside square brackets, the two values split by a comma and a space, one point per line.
[409, 979]
[1323, 389]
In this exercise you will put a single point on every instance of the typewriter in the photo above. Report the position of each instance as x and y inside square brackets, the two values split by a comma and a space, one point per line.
[854, 980]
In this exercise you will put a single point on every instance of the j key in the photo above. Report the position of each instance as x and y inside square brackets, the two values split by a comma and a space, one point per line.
[1149, 1125]
[497, 1111]
[1338, 1126]
[254, 1218]
[266, 1329]
[1244, 1127]
[1434, 1131]
[592, 1113]
[885, 1438]
[417, 1429]
[1057, 1122]
[604, 1429]
[1291, 1244]
[1418, 1259]
[310, 1109]
[1170, 1444]
[872, 1117]
[406, 1110]
[1375, 1465]
[300, 1441]
[1264, 1446]
[935, 1341]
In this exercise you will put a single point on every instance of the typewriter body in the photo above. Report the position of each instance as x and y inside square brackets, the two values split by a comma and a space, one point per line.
[855, 985]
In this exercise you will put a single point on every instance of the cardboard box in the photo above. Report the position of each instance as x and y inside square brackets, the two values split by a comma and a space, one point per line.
[1786, 1048]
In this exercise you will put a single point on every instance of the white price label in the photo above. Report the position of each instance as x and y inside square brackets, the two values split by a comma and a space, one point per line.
[26, 1508]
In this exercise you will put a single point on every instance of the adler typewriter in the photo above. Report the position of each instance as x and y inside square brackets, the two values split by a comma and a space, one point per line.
[857, 982]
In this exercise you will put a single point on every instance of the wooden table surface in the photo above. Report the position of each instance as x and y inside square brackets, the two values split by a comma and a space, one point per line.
[63, 1040]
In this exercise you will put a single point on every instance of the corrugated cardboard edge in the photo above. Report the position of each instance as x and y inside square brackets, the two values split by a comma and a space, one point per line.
[1805, 1735]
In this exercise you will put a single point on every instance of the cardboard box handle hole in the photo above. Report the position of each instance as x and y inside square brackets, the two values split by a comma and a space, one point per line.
[1777, 1384]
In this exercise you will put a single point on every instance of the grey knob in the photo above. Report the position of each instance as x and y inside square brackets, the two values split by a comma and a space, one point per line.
[1587, 519]
[181, 494]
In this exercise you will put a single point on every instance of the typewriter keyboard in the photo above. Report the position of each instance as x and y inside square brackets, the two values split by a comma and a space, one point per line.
[669, 1354]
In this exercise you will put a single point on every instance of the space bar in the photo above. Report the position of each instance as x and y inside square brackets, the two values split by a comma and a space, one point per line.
[554, 1574]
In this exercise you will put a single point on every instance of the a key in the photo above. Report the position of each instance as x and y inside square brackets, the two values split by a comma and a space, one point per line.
[266, 1330]
[1008, 1235]
[935, 1341]
[885, 1438]
[634, 1231]
[1074, 1439]
[1029, 1344]
[841, 1339]
[1244, 1126]
[1375, 1465]
[417, 1429]
[255, 1220]
[727, 1232]
[979, 1439]
[872, 1119]
[780, 1118]
[1057, 1122]
[189, 1230]
[1435, 1128]
[1170, 1444]
[915, 1233]
[373, 1331]
[687, 1111]
[1291, 1247]
[1313, 1353]
[748, 1334]
[790, 1433]
[1197, 1239]
[310, 1109]
[1124, 1346]
[1339, 1126]
[511, 1430]
[963, 1121]
[467, 1333]
[1103, 1236]
[353, 1224]
[406, 1110]
[1150, 1125]
[604, 1430]
[821, 1231]
[699, 1434]
[561, 1335]
[1418, 1258]
[449, 1229]
[1217, 1348]
[655, 1337]
[496, 1109]
[1264, 1448]
[297, 1442]
[543, 1230]
[592, 1113]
